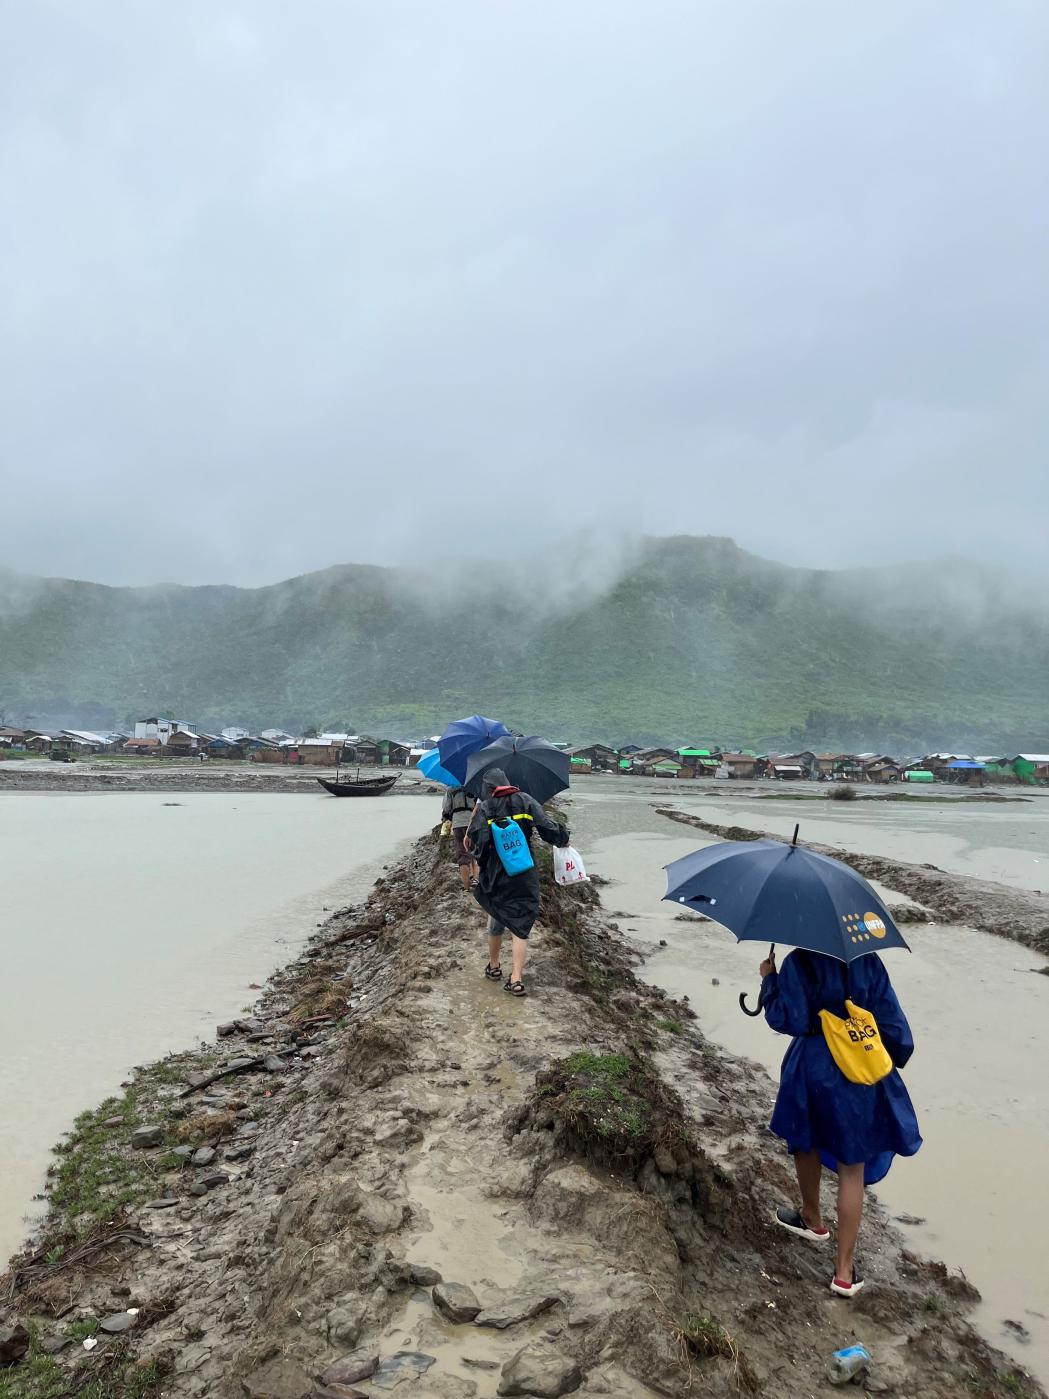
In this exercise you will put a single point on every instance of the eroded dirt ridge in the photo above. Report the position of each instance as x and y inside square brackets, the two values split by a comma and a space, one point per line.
[409, 1182]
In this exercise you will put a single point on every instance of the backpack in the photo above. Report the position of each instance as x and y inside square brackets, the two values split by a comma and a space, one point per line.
[856, 1044]
[511, 843]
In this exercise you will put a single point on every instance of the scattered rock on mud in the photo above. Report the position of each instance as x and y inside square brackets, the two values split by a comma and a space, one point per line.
[358, 1365]
[14, 1343]
[456, 1301]
[511, 1311]
[540, 1371]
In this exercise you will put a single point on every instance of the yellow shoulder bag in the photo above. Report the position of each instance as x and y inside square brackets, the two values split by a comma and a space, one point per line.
[856, 1044]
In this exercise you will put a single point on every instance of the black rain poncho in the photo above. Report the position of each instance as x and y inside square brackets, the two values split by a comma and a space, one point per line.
[512, 900]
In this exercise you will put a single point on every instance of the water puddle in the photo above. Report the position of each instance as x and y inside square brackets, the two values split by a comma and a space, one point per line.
[474, 1354]
[464, 1233]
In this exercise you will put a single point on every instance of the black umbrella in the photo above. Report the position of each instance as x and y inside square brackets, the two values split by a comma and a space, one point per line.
[532, 764]
[766, 891]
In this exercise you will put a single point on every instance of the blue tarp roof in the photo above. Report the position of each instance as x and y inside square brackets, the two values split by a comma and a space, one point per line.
[960, 763]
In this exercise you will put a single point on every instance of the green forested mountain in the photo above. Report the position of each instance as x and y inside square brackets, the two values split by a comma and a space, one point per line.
[695, 639]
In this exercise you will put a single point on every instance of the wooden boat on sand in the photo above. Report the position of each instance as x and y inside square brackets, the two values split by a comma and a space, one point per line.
[361, 787]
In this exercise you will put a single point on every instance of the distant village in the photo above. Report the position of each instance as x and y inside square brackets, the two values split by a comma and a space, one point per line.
[170, 738]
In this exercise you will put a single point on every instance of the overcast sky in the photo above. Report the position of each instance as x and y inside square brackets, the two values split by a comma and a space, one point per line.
[286, 285]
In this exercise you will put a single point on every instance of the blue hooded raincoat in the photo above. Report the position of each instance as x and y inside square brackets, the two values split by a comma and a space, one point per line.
[817, 1107]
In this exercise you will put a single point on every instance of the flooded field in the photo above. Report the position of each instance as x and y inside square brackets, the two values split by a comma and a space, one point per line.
[1007, 841]
[978, 1077]
[132, 923]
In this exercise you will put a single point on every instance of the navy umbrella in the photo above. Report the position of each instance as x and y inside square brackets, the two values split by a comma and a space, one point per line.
[767, 891]
[532, 764]
[466, 736]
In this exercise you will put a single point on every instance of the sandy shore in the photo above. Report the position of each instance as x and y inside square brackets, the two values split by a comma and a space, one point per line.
[584, 1162]
[183, 777]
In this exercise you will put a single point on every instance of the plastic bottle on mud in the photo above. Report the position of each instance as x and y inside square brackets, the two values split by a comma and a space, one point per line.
[845, 1365]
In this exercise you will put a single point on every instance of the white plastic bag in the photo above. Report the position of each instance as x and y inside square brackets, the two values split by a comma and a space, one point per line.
[568, 866]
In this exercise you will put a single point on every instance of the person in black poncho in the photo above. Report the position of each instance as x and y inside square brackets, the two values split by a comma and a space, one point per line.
[510, 901]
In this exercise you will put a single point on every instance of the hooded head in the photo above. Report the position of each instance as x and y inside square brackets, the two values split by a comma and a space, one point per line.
[493, 778]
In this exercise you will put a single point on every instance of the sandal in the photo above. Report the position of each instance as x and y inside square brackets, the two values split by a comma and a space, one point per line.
[493, 973]
[516, 988]
[847, 1289]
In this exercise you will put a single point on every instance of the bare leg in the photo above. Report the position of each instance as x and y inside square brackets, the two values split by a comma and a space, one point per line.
[520, 957]
[495, 947]
[464, 875]
[850, 1211]
[810, 1171]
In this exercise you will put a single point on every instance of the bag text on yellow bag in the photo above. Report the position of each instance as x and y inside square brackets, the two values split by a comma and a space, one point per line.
[856, 1044]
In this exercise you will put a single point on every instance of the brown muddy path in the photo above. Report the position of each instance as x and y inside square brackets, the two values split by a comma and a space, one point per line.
[410, 1137]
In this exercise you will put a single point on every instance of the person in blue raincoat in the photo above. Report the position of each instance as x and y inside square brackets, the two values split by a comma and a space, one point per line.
[827, 1120]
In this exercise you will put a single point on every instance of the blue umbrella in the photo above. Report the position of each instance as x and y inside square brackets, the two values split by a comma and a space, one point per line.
[466, 736]
[430, 766]
[766, 891]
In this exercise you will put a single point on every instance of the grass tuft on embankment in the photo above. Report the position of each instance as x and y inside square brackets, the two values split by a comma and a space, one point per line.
[600, 1096]
[612, 1108]
[603, 1100]
[95, 1177]
[111, 1373]
[705, 1337]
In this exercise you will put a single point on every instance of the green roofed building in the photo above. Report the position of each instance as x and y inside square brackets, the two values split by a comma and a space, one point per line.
[1031, 767]
[918, 775]
[698, 760]
[594, 757]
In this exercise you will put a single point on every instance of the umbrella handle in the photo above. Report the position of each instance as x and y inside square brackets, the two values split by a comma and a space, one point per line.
[761, 1004]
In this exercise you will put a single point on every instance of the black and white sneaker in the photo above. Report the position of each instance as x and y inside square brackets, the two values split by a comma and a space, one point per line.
[792, 1220]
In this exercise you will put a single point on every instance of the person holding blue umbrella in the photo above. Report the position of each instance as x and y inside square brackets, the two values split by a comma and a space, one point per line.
[456, 810]
[466, 736]
[841, 1102]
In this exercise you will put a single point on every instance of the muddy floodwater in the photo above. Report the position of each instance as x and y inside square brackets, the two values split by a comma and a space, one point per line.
[980, 1018]
[1007, 841]
[130, 924]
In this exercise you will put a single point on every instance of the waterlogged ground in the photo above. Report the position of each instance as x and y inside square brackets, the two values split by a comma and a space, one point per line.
[980, 1018]
[1006, 841]
[130, 925]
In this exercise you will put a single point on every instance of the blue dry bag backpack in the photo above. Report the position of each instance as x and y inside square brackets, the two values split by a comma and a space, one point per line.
[511, 845]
